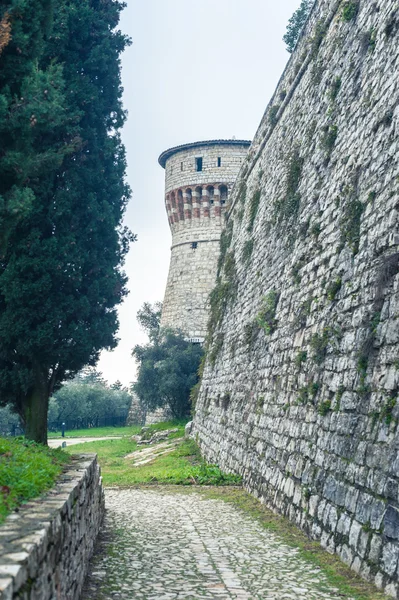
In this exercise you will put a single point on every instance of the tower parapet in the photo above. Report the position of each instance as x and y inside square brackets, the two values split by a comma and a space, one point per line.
[198, 181]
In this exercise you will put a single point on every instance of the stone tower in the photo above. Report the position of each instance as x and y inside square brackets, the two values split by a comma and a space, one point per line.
[198, 181]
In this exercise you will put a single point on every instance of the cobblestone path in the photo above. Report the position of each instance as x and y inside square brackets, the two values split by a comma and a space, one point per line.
[161, 546]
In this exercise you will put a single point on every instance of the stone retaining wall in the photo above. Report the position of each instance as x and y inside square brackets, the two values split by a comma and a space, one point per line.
[300, 389]
[45, 547]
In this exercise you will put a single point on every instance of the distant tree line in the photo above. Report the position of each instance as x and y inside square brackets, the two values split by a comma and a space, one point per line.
[62, 196]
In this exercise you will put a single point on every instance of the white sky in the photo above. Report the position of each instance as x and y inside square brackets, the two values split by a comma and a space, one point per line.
[197, 70]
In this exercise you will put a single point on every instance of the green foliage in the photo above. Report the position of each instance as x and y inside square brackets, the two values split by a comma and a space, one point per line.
[318, 37]
[335, 87]
[253, 209]
[9, 421]
[167, 371]
[308, 393]
[388, 408]
[324, 408]
[242, 192]
[60, 274]
[296, 24]
[300, 358]
[26, 471]
[183, 466]
[250, 332]
[303, 313]
[333, 289]
[350, 224]
[89, 397]
[369, 40]
[216, 348]
[266, 318]
[223, 293]
[329, 138]
[349, 10]
[318, 345]
[195, 390]
[225, 241]
[315, 229]
[288, 206]
[149, 318]
[247, 250]
[273, 115]
[295, 271]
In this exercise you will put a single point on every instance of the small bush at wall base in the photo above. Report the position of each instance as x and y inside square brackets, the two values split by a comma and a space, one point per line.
[266, 316]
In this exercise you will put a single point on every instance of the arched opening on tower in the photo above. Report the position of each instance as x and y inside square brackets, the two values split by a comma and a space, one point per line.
[180, 205]
[189, 196]
[223, 194]
[211, 192]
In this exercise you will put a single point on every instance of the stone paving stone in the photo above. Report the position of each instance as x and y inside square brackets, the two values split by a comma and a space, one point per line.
[172, 546]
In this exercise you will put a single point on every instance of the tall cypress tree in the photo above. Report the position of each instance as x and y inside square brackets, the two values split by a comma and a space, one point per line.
[60, 277]
[32, 108]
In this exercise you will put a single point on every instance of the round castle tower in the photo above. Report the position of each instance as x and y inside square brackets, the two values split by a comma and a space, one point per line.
[198, 181]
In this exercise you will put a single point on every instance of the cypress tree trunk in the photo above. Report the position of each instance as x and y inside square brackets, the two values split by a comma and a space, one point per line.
[35, 414]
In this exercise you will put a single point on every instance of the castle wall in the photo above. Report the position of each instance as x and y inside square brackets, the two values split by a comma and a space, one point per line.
[300, 388]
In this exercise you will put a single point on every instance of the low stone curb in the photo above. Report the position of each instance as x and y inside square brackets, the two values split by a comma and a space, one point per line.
[45, 547]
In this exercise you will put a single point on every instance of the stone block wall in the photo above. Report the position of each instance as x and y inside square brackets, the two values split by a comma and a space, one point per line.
[45, 547]
[300, 388]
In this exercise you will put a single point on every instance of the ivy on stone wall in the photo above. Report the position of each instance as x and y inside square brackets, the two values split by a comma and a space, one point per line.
[288, 206]
[253, 209]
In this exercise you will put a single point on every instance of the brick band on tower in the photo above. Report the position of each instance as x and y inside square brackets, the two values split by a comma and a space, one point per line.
[198, 181]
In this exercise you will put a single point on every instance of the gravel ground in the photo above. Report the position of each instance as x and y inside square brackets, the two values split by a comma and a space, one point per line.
[157, 545]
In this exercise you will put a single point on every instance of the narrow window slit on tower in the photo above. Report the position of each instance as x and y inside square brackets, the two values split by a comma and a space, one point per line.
[219, 161]
[181, 166]
[194, 245]
[198, 163]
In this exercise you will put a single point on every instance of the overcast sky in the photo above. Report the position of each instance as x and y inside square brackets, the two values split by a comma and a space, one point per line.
[197, 70]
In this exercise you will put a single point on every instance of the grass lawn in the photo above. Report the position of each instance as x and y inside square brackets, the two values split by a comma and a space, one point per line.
[26, 470]
[183, 466]
[97, 432]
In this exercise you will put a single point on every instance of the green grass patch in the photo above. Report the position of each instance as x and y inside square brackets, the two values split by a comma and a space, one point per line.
[183, 466]
[96, 432]
[26, 471]
[338, 575]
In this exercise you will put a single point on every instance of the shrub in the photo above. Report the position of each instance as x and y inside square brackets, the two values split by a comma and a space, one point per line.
[349, 10]
[300, 358]
[266, 316]
[324, 408]
[253, 209]
[318, 344]
[335, 87]
[288, 206]
[333, 289]
[329, 138]
[247, 250]
[350, 225]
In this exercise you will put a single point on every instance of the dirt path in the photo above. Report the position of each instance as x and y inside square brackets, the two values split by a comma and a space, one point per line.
[158, 545]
